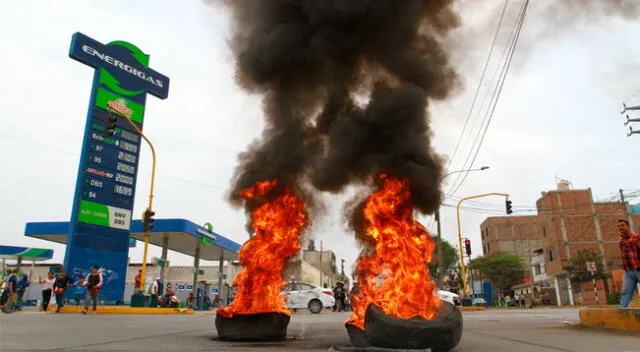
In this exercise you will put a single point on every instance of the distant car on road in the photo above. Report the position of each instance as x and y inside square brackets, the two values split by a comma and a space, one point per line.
[449, 297]
[301, 295]
[479, 302]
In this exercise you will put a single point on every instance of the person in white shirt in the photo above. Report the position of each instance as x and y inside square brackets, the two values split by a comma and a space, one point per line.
[154, 291]
[47, 290]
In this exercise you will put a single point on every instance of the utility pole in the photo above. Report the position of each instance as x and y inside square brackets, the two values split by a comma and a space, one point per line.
[626, 108]
[440, 249]
[321, 268]
[626, 208]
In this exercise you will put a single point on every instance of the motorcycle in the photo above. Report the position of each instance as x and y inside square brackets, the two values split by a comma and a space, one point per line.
[170, 300]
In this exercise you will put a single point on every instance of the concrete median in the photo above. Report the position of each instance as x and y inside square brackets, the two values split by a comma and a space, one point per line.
[611, 318]
[123, 310]
[472, 309]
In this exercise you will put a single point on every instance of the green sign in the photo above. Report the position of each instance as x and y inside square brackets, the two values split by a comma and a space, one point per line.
[161, 263]
[103, 215]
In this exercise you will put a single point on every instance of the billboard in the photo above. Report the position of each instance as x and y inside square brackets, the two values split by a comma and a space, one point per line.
[105, 187]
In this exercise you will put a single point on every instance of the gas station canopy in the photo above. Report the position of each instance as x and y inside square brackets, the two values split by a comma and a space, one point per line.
[26, 254]
[182, 236]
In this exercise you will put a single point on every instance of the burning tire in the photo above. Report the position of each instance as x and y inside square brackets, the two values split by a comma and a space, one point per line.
[253, 327]
[315, 306]
[441, 334]
[356, 336]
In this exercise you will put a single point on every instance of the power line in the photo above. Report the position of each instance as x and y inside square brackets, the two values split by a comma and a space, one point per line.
[488, 210]
[44, 146]
[496, 95]
[37, 144]
[484, 71]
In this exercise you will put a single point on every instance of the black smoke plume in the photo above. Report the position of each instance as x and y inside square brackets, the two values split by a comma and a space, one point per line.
[346, 85]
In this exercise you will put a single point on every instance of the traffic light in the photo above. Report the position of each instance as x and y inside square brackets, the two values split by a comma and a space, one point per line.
[147, 219]
[467, 247]
[110, 126]
[507, 203]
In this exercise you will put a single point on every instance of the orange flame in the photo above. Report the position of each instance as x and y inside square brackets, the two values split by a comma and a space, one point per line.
[395, 276]
[277, 225]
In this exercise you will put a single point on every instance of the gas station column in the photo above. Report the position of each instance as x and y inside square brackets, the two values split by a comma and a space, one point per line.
[165, 249]
[196, 267]
[220, 273]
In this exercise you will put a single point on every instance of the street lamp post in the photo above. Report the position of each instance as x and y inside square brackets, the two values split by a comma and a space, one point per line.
[462, 268]
[438, 228]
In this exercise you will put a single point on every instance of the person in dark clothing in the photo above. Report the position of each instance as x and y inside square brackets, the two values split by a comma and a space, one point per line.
[339, 293]
[453, 284]
[59, 286]
[21, 289]
[93, 283]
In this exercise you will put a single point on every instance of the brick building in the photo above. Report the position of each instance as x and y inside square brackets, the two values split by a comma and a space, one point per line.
[567, 221]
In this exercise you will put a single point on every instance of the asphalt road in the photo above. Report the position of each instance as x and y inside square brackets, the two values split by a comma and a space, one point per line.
[539, 330]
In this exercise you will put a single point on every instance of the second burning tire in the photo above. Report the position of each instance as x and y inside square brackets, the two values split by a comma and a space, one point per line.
[441, 334]
[253, 327]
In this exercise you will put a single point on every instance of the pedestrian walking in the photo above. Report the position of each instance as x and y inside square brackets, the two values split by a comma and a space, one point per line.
[630, 251]
[60, 286]
[47, 290]
[94, 283]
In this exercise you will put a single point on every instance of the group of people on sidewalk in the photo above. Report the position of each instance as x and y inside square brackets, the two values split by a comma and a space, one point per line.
[13, 289]
[87, 289]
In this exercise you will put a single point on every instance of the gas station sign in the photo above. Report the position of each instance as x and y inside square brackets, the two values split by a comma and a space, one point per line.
[105, 188]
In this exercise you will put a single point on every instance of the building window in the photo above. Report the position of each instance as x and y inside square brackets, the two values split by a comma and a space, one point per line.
[552, 255]
[537, 270]
[488, 247]
[544, 231]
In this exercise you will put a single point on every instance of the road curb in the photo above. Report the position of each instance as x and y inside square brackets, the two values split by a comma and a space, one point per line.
[123, 310]
[611, 318]
[472, 309]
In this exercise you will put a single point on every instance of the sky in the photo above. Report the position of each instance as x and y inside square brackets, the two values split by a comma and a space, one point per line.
[558, 116]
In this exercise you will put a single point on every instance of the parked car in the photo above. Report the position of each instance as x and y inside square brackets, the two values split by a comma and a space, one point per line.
[301, 295]
[479, 302]
[449, 297]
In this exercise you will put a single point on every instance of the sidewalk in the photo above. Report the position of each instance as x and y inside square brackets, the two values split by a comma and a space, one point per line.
[69, 309]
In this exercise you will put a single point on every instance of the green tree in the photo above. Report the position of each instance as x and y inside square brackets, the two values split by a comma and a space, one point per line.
[450, 258]
[502, 269]
[576, 267]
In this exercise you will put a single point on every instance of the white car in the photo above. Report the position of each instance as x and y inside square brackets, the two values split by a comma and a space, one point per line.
[449, 297]
[301, 295]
